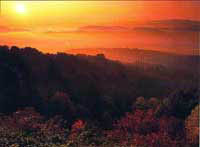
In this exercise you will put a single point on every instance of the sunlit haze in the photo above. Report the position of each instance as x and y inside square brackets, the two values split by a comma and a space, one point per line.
[53, 26]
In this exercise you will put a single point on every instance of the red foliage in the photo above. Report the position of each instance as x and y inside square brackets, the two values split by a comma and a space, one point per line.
[76, 128]
[79, 124]
[192, 127]
[143, 128]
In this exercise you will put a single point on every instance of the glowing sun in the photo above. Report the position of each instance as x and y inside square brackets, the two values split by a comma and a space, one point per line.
[20, 8]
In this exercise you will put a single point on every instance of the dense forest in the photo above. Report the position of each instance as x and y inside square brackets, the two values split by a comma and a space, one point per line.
[49, 100]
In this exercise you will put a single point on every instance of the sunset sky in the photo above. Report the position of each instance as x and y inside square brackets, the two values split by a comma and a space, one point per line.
[53, 26]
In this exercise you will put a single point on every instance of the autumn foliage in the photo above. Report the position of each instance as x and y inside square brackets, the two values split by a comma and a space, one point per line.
[142, 128]
[192, 126]
[62, 100]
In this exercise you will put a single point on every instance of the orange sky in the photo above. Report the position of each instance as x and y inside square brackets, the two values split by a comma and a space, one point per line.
[53, 26]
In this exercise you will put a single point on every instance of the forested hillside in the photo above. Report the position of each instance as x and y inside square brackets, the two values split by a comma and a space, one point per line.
[82, 100]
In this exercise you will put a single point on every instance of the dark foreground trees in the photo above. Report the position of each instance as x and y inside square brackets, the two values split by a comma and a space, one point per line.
[141, 128]
[84, 100]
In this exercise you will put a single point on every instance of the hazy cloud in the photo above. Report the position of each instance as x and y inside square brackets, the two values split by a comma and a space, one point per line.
[172, 25]
[158, 26]
[103, 28]
[5, 29]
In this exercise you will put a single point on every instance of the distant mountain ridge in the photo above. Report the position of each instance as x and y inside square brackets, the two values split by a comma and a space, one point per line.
[140, 56]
